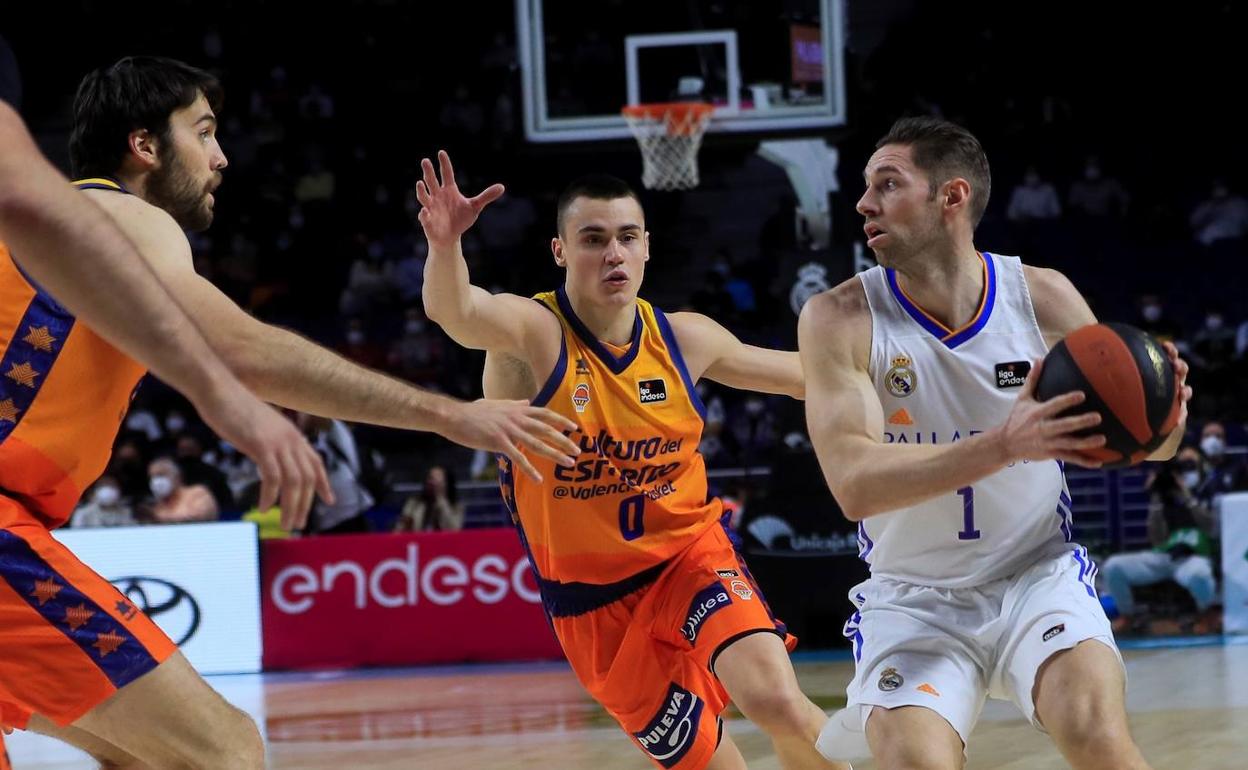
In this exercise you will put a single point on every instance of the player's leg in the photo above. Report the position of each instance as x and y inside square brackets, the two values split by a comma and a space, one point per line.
[756, 672]
[913, 738]
[727, 755]
[185, 723]
[78, 652]
[1080, 697]
[919, 682]
[1064, 671]
[109, 756]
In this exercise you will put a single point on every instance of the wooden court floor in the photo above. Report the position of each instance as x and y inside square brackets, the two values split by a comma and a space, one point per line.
[1189, 710]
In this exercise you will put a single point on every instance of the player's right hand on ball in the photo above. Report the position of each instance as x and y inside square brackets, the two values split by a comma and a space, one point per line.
[445, 213]
[508, 426]
[1034, 431]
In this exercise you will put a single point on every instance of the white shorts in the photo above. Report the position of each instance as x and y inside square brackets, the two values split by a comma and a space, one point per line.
[948, 649]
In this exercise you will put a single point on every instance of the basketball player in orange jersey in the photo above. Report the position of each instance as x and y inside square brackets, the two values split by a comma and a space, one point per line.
[79, 662]
[922, 412]
[654, 608]
[72, 248]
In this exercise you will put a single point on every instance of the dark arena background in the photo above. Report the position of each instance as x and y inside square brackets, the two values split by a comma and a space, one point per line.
[403, 628]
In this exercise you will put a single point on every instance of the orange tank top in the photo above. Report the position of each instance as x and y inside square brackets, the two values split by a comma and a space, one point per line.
[638, 493]
[63, 394]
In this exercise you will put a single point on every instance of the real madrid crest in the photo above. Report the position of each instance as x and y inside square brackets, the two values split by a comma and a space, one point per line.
[890, 680]
[901, 379]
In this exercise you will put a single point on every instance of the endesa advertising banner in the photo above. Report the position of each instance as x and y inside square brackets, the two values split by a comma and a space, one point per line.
[438, 597]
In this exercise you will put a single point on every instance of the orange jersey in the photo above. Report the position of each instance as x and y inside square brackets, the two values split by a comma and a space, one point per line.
[63, 394]
[638, 494]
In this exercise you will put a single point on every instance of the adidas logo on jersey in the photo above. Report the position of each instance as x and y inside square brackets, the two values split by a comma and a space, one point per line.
[1012, 374]
[900, 417]
[652, 391]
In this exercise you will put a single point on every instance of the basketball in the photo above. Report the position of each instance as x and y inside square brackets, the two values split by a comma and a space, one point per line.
[1127, 377]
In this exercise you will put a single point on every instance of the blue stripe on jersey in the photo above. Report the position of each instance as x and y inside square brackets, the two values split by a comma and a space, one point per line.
[616, 365]
[990, 299]
[556, 375]
[865, 543]
[116, 651]
[37, 342]
[1087, 569]
[678, 358]
[950, 338]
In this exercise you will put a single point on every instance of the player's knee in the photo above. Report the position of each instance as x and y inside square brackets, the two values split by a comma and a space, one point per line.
[239, 745]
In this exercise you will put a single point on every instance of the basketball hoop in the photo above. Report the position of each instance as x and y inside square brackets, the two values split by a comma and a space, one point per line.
[669, 136]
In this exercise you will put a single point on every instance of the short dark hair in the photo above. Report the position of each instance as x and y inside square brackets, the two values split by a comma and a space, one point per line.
[601, 187]
[138, 92]
[944, 150]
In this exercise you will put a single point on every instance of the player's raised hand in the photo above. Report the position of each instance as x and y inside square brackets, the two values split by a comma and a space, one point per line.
[445, 212]
[508, 426]
[1034, 431]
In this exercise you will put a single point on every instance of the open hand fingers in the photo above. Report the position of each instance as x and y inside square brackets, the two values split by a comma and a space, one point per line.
[1064, 425]
[517, 457]
[448, 173]
[422, 194]
[1059, 404]
[487, 196]
[428, 176]
[270, 481]
[544, 440]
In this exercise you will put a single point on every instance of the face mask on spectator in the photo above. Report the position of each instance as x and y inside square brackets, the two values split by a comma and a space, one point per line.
[1212, 445]
[1191, 479]
[1151, 312]
[161, 486]
[414, 326]
[175, 423]
[355, 337]
[106, 495]
[1213, 322]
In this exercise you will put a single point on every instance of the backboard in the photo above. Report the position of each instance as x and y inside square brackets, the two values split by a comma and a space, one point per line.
[766, 65]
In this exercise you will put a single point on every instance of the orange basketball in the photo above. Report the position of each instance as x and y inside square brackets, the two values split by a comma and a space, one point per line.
[1127, 377]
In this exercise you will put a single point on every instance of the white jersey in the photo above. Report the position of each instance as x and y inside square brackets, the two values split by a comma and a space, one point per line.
[937, 386]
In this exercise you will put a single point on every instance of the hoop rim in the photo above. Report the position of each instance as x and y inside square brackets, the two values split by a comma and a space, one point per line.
[660, 110]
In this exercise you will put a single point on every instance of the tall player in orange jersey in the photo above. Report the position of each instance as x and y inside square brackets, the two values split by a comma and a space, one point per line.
[77, 661]
[656, 611]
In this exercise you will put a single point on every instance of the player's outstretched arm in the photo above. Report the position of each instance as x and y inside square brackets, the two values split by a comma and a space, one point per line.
[713, 352]
[72, 249]
[474, 318]
[846, 420]
[287, 369]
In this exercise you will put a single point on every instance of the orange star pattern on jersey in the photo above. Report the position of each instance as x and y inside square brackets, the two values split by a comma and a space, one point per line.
[22, 374]
[77, 617]
[108, 642]
[45, 590]
[8, 410]
[40, 338]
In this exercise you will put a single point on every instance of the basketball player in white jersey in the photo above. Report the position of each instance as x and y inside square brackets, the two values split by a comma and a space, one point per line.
[919, 382]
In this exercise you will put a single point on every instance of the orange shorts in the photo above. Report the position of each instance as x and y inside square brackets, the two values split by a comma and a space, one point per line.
[649, 658]
[68, 638]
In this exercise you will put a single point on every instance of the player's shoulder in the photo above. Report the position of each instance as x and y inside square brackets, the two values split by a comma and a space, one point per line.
[133, 213]
[844, 303]
[1046, 280]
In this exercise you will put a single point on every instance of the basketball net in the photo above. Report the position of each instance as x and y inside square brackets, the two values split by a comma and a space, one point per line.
[669, 136]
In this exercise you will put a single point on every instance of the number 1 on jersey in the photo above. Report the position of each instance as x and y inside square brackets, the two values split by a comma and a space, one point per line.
[968, 514]
[632, 511]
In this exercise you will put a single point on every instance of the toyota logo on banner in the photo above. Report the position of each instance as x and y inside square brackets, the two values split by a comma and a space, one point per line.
[169, 605]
